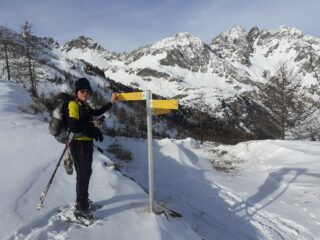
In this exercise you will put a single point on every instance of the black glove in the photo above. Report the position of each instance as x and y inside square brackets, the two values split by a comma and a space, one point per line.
[96, 134]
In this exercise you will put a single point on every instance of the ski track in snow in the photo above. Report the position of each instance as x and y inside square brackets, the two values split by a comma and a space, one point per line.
[50, 225]
[213, 210]
[269, 225]
[38, 228]
[272, 225]
[22, 196]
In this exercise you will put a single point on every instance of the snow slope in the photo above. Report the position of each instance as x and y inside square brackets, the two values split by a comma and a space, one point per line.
[272, 193]
[28, 156]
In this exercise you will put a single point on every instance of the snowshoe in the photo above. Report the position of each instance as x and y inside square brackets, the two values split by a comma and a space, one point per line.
[84, 215]
[68, 214]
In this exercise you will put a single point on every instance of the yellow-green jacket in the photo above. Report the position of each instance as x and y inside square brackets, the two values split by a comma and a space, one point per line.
[80, 117]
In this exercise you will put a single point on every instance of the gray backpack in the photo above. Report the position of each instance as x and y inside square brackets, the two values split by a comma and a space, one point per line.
[58, 123]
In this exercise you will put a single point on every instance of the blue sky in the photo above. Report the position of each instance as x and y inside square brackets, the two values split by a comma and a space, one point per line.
[124, 25]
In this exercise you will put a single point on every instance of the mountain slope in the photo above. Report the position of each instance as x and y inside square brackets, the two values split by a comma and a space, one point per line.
[217, 84]
[207, 77]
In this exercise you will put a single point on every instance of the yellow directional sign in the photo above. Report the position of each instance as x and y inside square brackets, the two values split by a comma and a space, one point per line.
[159, 111]
[165, 104]
[161, 106]
[133, 96]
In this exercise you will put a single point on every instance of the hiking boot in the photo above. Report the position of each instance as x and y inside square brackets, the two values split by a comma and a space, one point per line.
[68, 163]
[93, 206]
[85, 214]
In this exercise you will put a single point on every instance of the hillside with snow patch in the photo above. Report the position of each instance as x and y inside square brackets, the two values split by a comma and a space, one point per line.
[232, 64]
[222, 78]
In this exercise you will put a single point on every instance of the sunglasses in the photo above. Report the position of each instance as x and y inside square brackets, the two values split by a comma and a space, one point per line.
[82, 91]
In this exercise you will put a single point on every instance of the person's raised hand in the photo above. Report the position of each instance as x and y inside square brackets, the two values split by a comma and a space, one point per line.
[114, 97]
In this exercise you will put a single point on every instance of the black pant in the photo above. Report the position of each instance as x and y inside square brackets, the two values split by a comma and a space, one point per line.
[82, 152]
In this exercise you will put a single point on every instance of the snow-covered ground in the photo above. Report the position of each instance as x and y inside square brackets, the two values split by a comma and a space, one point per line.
[28, 157]
[267, 189]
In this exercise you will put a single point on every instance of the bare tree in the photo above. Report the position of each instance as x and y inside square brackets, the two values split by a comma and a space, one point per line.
[30, 52]
[201, 120]
[6, 51]
[285, 98]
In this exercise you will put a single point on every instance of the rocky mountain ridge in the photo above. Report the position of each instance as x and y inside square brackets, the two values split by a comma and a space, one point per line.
[226, 71]
[219, 79]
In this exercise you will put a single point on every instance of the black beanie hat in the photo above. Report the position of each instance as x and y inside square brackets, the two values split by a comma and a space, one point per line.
[81, 84]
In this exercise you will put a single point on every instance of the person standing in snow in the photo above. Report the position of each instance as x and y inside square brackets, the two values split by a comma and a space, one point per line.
[80, 121]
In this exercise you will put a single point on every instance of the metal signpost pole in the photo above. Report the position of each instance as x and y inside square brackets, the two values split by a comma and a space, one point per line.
[156, 107]
[150, 149]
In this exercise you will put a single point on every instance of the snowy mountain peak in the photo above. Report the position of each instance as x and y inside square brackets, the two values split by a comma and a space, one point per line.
[179, 40]
[88, 50]
[253, 33]
[291, 31]
[235, 33]
[235, 44]
[82, 42]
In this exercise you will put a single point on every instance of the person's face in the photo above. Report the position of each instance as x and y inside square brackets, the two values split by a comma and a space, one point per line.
[83, 95]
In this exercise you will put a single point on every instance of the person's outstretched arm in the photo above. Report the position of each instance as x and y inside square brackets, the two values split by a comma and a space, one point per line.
[106, 107]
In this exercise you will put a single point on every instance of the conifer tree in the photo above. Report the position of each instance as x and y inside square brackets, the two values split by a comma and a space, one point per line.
[285, 98]
[30, 52]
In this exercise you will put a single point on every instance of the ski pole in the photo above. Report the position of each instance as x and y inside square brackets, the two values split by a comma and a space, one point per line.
[45, 191]
[98, 148]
